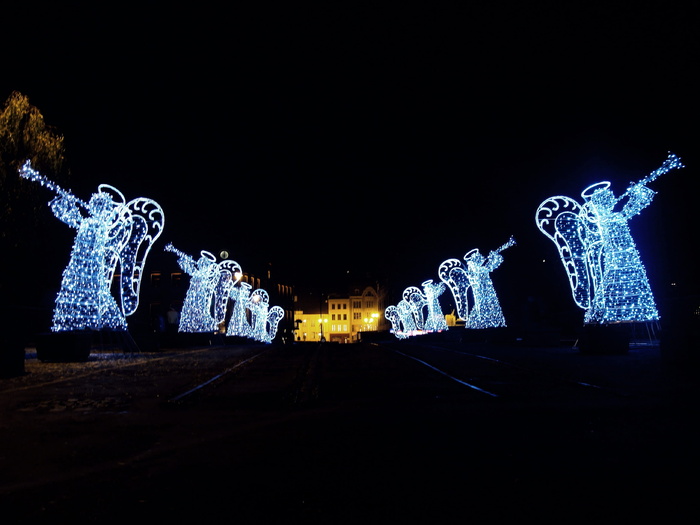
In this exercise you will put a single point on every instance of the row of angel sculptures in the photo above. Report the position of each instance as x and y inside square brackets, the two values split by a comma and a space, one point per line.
[604, 268]
[593, 238]
[212, 287]
[112, 233]
[471, 287]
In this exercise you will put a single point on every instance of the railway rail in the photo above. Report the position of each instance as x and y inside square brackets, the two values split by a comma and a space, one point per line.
[316, 428]
[305, 373]
[513, 377]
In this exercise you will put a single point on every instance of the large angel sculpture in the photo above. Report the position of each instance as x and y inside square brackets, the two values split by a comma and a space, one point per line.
[110, 231]
[605, 270]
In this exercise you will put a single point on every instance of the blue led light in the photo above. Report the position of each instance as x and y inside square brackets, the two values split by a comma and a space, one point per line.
[604, 268]
[109, 231]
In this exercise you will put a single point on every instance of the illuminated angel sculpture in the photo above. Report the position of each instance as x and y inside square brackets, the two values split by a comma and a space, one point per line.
[264, 320]
[415, 302]
[472, 287]
[605, 271]
[408, 316]
[252, 316]
[394, 317]
[238, 324]
[205, 302]
[402, 320]
[435, 321]
[109, 231]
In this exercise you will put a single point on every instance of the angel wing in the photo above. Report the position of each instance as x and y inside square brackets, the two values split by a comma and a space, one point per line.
[117, 238]
[274, 316]
[452, 273]
[392, 314]
[408, 320]
[229, 275]
[259, 297]
[148, 220]
[416, 300]
[560, 219]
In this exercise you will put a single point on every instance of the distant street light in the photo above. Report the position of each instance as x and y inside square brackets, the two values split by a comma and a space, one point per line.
[320, 322]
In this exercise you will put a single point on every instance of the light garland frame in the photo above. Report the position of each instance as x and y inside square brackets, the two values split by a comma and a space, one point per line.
[110, 232]
[593, 239]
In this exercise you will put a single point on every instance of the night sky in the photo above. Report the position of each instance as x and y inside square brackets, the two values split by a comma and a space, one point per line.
[376, 139]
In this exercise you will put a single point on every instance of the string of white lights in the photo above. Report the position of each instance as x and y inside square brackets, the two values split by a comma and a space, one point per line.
[110, 231]
[472, 288]
[593, 238]
[408, 317]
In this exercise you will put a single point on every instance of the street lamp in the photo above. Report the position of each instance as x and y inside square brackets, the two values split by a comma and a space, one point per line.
[320, 322]
[374, 317]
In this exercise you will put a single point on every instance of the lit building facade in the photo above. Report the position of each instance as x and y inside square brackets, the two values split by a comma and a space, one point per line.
[342, 318]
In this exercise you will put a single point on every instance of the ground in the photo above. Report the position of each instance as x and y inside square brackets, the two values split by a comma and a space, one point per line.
[329, 433]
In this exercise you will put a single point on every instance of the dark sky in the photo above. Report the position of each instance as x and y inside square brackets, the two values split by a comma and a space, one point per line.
[379, 138]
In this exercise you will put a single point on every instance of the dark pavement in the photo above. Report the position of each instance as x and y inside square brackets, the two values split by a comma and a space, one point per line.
[419, 431]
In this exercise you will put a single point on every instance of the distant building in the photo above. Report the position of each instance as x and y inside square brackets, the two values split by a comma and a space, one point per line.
[340, 318]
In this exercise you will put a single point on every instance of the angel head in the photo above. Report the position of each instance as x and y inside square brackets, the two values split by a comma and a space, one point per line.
[600, 195]
[206, 259]
[474, 257]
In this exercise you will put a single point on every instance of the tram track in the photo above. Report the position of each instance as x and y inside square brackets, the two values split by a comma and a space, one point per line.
[213, 380]
[495, 377]
[290, 376]
[293, 375]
